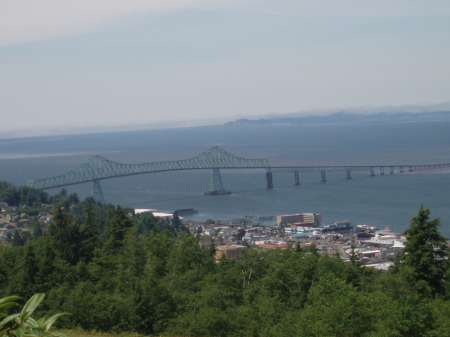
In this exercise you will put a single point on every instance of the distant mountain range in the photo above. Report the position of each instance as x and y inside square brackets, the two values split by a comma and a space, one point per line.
[348, 117]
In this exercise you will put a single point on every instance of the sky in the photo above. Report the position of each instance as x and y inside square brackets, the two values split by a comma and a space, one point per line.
[100, 63]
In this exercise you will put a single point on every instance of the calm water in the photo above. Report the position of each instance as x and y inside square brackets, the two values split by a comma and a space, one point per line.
[379, 201]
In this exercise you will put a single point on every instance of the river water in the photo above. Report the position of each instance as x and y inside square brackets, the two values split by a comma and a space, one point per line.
[377, 201]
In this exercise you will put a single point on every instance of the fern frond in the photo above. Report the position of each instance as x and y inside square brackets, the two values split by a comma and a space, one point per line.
[31, 306]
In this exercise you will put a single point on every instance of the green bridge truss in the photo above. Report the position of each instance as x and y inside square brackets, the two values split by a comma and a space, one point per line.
[97, 168]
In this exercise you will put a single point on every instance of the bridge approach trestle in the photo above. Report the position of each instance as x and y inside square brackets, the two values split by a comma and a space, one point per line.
[323, 170]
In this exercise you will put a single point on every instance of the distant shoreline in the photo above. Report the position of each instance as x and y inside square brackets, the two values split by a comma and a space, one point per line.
[337, 118]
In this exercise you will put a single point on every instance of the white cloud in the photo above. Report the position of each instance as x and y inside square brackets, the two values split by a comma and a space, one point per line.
[24, 21]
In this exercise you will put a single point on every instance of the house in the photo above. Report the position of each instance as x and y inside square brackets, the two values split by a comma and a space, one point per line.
[13, 217]
[230, 252]
[46, 218]
[23, 222]
[273, 245]
[209, 231]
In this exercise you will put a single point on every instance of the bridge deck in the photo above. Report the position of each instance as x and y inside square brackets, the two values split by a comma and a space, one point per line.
[98, 168]
[338, 168]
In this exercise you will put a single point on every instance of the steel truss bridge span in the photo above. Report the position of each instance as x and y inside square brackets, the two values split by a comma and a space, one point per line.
[97, 168]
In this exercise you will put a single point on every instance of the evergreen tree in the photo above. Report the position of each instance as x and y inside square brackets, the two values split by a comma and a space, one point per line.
[425, 253]
[9, 193]
[153, 306]
[240, 234]
[73, 198]
[176, 222]
[26, 278]
[72, 241]
[90, 228]
[17, 239]
[116, 229]
[146, 222]
[46, 274]
[36, 231]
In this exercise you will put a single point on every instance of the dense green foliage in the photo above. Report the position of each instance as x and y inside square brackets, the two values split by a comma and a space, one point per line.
[117, 272]
[425, 253]
[26, 196]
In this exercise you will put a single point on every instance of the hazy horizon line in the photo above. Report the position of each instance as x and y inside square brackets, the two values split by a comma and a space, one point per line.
[88, 129]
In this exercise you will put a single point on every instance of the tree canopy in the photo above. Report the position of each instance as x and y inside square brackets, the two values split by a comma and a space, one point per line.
[119, 272]
[425, 254]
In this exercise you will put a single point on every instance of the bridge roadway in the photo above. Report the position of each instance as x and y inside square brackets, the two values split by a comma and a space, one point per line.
[348, 169]
[97, 168]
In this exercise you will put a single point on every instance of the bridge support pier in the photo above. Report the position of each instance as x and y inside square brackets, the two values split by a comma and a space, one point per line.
[401, 169]
[97, 192]
[382, 170]
[372, 172]
[216, 184]
[296, 178]
[269, 180]
[348, 174]
[391, 170]
[323, 177]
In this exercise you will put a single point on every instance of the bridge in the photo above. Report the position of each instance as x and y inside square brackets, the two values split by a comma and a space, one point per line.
[97, 168]
[372, 169]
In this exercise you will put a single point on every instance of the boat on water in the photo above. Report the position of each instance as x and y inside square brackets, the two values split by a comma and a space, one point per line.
[338, 227]
[185, 211]
[366, 228]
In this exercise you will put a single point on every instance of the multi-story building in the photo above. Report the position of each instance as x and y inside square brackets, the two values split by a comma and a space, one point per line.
[306, 219]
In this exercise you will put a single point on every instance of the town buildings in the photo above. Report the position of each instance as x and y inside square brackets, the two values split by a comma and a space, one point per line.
[305, 219]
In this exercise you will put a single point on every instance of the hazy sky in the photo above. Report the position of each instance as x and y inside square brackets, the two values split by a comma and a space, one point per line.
[109, 62]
